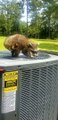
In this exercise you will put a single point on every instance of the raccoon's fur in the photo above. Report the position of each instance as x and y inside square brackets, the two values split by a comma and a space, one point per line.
[19, 43]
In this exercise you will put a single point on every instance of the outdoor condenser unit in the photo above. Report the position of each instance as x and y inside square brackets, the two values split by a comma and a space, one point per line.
[28, 87]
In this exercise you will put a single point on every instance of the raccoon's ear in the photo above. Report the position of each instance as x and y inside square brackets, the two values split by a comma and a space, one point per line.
[30, 45]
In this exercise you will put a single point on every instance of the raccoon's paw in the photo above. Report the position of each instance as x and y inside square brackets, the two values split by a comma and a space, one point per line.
[14, 53]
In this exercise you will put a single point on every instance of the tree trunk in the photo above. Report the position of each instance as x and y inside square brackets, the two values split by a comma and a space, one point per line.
[49, 27]
[27, 19]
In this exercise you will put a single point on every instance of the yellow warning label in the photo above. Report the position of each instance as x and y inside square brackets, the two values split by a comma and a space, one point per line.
[10, 81]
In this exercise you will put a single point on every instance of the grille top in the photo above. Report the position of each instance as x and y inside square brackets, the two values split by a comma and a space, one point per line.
[6, 59]
[7, 55]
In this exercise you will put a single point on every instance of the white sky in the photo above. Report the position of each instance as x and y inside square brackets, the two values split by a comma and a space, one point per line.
[24, 15]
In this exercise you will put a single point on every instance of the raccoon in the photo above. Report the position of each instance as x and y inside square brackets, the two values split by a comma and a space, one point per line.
[19, 43]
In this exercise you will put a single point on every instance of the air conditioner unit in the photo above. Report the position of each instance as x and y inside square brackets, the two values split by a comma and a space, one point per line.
[28, 87]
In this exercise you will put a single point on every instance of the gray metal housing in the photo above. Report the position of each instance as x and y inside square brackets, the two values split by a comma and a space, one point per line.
[37, 89]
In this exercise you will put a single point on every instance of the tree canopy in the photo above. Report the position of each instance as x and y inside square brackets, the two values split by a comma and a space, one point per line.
[42, 14]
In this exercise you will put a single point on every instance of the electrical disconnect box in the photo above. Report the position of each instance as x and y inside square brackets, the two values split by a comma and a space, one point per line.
[28, 87]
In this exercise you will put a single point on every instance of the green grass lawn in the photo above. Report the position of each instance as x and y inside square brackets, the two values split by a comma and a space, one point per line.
[44, 44]
[47, 44]
[1, 43]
